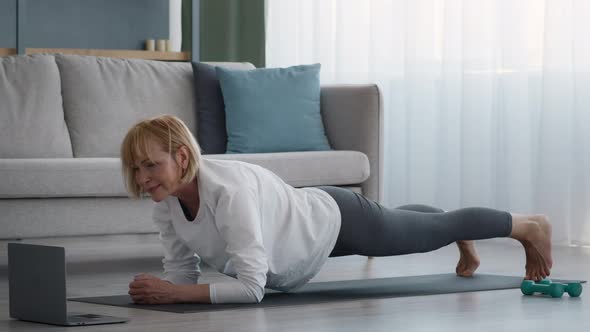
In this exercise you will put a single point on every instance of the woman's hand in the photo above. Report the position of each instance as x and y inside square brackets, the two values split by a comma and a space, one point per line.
[148, 289]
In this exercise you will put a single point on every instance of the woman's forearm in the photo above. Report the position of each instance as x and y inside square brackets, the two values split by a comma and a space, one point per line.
[198, 293]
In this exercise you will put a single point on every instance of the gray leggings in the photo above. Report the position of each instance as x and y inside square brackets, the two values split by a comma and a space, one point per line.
[370, 229]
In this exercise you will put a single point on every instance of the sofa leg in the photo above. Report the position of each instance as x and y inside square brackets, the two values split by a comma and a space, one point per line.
[370, 257]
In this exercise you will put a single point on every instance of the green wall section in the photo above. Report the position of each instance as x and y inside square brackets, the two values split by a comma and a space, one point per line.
[101, 24]
[213, 30]
[187, 26]
[232, 30]
[104, 24]
[8, 24]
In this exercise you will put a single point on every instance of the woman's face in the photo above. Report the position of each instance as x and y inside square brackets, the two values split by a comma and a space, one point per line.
[160, 176]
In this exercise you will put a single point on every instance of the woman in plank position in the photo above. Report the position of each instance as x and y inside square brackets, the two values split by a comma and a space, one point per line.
[247, 223]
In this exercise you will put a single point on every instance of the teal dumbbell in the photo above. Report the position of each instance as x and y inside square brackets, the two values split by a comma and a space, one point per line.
[529, 287]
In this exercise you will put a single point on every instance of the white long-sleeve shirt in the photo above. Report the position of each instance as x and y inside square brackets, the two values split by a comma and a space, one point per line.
[251, 226]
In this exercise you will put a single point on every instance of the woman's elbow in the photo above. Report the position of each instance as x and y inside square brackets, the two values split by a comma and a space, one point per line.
[259, 299]
[256, 294]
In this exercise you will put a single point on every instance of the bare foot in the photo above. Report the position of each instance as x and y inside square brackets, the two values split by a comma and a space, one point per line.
[535, 236]
[536, 267]
[545, 241]
[468, 261]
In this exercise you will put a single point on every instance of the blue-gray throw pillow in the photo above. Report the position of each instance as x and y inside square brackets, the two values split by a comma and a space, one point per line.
[273, 109]
[211, 133]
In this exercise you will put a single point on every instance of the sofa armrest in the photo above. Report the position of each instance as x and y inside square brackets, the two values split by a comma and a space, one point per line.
[353, 118]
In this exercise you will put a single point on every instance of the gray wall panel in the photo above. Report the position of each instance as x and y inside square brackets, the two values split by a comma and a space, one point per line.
[196, 32]
[98, 24]
[7, 23]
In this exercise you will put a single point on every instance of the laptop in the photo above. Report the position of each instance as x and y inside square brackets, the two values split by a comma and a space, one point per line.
[37, 287]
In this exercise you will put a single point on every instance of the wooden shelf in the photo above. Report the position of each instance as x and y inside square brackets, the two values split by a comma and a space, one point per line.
[7, 51]
[122, 54]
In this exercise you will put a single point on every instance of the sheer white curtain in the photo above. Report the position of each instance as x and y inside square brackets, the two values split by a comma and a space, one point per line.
[487, 102]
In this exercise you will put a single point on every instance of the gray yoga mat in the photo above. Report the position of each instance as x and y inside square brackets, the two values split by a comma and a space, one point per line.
[333, 291]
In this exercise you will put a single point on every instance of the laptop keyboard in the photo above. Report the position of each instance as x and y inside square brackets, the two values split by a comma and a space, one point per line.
[84, 316]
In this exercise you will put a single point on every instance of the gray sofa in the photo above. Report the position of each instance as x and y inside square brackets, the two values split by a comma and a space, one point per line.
[62, 119]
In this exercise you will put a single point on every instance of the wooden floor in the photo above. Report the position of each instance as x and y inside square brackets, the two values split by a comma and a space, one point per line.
[90, 273]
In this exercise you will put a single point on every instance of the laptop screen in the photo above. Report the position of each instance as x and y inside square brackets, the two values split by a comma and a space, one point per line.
[37, 282]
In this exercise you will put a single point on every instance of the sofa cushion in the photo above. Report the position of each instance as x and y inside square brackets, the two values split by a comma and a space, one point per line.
[104, 97]
[310, 168]
[31, 114]
[61, 177]
[211, 132]
[273, 109]
[101, 177]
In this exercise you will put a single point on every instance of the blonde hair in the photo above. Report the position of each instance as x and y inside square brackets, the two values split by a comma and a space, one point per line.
[165, 130]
